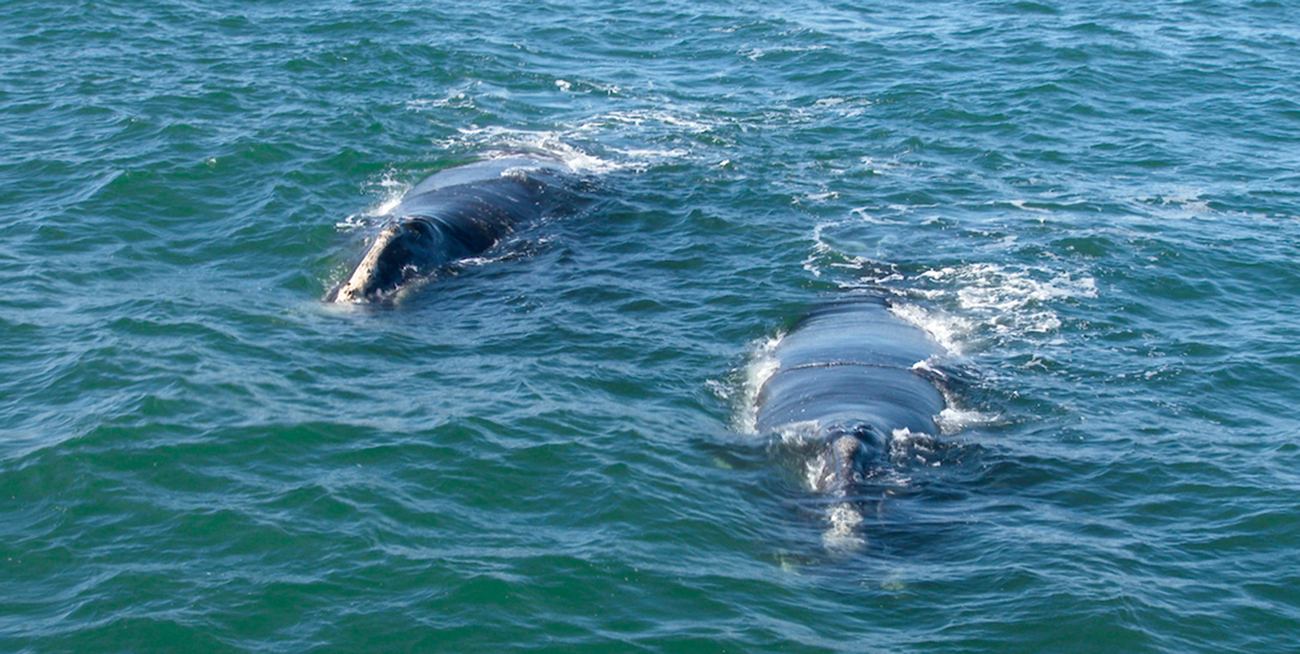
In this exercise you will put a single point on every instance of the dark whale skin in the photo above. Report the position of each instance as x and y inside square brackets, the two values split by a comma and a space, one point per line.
[847, 377]
[452, 215]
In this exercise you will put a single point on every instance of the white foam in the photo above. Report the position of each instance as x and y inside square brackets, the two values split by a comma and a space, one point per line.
[1180, 203]
[844, 519]
[1000, 299]
[863, 214]
[644, 117]
[877, 167]
[954, 420]
[754, 54]
[800, 433]
[901, 442]
[390, 195]
[947, 330]
[845, 107]
[640, 137]
[762, 364]
[455, 98]
[386, 206]
[822, 248]
[1020, 204]
[553, 143]
[644, 154]
[821, 197]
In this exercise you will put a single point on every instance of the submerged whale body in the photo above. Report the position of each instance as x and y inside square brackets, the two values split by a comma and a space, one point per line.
[454, 214]
[846, 383]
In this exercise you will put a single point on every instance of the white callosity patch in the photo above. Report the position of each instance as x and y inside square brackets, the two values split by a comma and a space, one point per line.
[360, 286]
[354, 289]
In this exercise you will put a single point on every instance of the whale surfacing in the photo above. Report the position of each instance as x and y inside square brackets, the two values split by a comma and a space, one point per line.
[846, 378]
[452, 215]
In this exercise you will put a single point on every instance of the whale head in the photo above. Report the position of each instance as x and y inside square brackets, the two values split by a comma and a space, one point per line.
[841, 466]
[412, 246]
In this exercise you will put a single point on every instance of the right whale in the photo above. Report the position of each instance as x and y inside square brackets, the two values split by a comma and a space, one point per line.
[454, 214]
[847, 384]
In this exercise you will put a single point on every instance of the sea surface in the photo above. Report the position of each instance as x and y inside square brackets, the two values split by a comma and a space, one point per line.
[1094, 206]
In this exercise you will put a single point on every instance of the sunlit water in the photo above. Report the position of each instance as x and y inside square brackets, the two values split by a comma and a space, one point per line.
[1093, 206]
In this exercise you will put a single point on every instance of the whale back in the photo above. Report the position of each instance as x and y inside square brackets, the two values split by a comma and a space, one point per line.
[845, 386]
[487, 169]
[454, 214]
[851, 363]
[475, 215]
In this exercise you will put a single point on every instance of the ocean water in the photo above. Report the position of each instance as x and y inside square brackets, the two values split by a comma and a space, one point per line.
[1094, 206]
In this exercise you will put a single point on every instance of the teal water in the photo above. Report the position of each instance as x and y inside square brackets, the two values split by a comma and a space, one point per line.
[1094, 206]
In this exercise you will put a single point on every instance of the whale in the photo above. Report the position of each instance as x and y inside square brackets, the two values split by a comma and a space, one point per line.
[847, 382]
[452, 215]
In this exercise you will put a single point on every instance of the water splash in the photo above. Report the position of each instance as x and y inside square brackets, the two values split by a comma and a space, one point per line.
[389, 194]
[761, 364]
[1006, 300]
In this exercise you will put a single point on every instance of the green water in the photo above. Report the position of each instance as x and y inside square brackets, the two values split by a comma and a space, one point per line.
[1092, 206]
